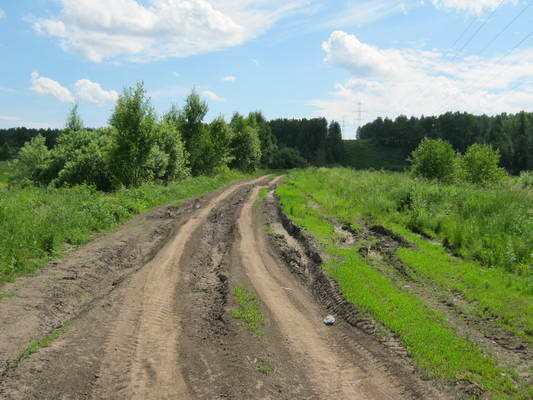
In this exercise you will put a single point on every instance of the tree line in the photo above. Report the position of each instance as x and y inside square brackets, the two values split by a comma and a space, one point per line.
[510, 134]
[140, 147]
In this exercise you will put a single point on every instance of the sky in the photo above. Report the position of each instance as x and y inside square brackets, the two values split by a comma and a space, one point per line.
[350, 61]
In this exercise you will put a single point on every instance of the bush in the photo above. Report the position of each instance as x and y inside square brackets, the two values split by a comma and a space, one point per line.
[288, 158]
[480, 164]
[434, 159]
[32, 163]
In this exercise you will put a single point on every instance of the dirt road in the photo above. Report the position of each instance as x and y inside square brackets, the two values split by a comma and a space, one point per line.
[162, 328]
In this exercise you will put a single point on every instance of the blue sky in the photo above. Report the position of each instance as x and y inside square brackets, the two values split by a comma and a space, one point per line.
[291, 58]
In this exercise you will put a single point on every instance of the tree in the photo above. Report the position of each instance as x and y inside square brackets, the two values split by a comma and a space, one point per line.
[480, 164]
[32, 163]
[268, 140]
[288, 158]
[434, 159]
[246, 145]
[74, 122]
[335, 144]
[134, 121]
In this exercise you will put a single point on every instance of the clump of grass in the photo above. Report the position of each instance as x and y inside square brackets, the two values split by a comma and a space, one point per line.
[265, 369]
[35, 346]
[435, 345]
[38, 222]
[249, 310]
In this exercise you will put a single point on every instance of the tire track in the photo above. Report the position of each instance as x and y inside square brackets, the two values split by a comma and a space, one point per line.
[141, 358]
[332, 375]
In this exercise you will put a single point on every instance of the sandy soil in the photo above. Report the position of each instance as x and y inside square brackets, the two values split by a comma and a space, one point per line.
[151, 305]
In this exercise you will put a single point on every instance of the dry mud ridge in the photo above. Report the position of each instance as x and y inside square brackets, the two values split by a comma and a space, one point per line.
[149, 314]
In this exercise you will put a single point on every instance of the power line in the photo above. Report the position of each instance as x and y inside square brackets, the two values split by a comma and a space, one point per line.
[505, 28]
[464, 32]
[481, 26]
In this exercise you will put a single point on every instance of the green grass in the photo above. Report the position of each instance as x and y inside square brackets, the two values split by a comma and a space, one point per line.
[37, 224]
[35, 346]
[265, 369]
[5, 173]
[313, 195]
[249, 310]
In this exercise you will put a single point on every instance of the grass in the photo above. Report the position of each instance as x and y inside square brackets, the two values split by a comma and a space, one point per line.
[265, 369]
[249, 310]
[4, 173]
[35, 346]
[313, 196]
[38, 224]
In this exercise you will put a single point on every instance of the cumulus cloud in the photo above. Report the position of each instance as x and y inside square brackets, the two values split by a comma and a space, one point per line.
[84, 91]
[476, 7]
[390, 82]
[148, 30]
[8, 121]
[212, 96]
[48, 87]
[229, 78]
[91, 92]
[2, 14]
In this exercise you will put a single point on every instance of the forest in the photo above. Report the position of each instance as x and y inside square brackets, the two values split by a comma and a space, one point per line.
[511, 134]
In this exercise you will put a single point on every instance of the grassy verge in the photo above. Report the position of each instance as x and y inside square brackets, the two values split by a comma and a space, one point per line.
[309, 198]
[248, 310]
[38, 223]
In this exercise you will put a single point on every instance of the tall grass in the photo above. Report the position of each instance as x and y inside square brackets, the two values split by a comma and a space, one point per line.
[492, 226]
[36, 223]
[435, 345]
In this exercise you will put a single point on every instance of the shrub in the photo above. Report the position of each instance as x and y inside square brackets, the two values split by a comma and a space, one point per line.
[480, 164]
[288, 158]
[32, 163]
[434, 159]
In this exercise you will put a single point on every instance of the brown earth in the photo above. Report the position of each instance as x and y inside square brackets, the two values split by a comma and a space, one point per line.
[150, 311]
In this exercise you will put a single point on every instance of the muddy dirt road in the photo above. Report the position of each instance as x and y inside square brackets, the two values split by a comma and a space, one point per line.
[160, 326]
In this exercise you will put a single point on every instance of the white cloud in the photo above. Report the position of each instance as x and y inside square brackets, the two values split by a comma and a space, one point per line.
[93, 93]
[390, 82]
[176, 74]
[160, 29]
[2, 14]
[476, 7]
[84, 91]
[365, 12]
[48, 87]
[229, 78]
[212, 96]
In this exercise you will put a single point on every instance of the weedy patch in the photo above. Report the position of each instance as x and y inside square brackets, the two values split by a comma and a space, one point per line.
[265, 369]
[249, 310]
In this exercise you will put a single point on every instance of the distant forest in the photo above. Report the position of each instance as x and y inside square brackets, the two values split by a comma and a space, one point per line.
[511, 134]
[383, 143]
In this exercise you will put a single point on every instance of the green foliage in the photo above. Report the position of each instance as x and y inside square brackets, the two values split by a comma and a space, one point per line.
[434, 159]
[168, 159]
[81, 157]
[366, 154]
[480, 164]
[313, 198]
[246, 145]
[7, 152]
[134, 121]
[191, 119]
[38, 222]
[526, 180]
[268, 140]
[288, 158]
[74, 122]
[249, 310]
[5, 173]
[32, 163]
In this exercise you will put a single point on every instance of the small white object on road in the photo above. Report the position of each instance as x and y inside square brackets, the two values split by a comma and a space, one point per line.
[329, 320]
